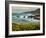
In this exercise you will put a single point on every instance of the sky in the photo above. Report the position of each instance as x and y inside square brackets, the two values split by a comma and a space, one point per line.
[22, 9]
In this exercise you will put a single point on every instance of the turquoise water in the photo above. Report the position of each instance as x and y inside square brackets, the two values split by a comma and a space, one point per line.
[19, 18]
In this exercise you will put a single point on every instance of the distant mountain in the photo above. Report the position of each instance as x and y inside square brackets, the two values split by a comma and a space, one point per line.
[37, 11]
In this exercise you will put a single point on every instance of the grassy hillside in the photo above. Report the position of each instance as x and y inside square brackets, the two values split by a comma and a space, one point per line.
[25, 26]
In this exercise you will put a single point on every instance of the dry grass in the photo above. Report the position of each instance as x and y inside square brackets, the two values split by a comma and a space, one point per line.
[25, 26]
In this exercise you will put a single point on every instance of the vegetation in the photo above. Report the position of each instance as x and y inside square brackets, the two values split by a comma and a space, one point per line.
[25, 26]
